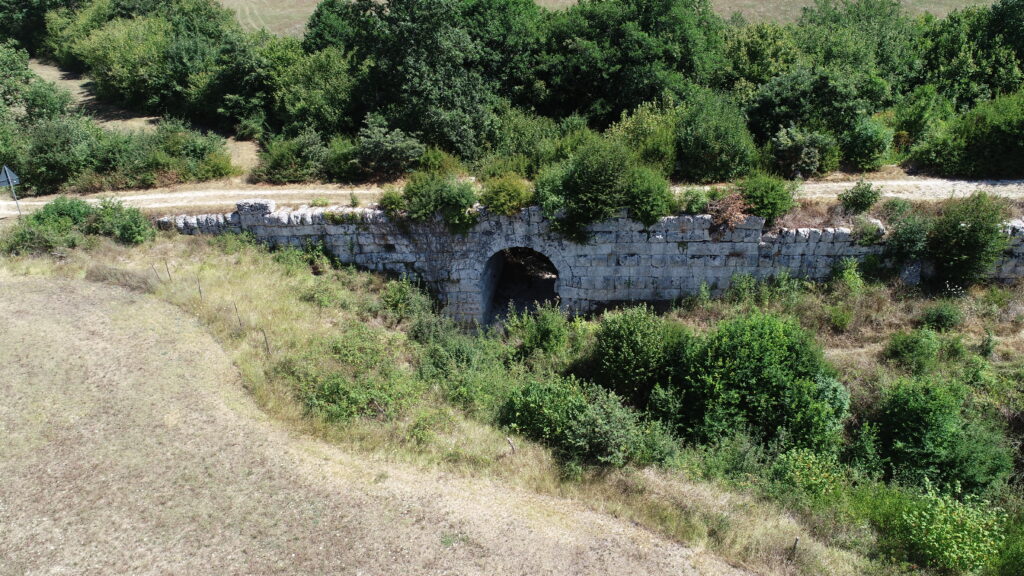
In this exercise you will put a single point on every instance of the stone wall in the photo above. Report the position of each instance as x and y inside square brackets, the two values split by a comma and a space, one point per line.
[621, 262]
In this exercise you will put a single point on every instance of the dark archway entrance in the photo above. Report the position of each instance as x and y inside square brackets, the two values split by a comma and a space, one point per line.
[518, 278]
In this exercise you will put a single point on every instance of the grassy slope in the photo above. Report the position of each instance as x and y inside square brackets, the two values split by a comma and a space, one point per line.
[289, 18]
[131, 447]
[727, 521]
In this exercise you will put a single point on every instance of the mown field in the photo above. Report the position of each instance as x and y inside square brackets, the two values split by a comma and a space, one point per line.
[290, 17]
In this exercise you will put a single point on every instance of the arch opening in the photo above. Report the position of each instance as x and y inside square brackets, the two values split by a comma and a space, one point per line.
[517, 278]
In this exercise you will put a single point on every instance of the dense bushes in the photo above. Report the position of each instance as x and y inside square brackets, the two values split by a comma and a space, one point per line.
[632, 353]
[985, 142]
[584, 423]
[714, 144]
[947, 534]
[926, 431]
[65, 223]
[55, 149]
[761, 374]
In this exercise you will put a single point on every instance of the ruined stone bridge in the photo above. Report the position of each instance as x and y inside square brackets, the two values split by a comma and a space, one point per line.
[518, 258]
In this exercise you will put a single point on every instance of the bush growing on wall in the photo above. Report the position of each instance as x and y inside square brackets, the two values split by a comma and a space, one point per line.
[427, 194]
[506, 194]
[965, 242]
[767, 196]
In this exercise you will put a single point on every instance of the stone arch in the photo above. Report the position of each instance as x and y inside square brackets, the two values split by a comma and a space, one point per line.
[521, 276]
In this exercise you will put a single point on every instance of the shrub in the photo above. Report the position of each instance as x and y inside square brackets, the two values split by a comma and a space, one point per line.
[925, 433]
[439, 162]
[758, 373]
[594, 185]
[767, 196]
[584, 423]
[391, 202]
[60, 149]
[916, 352]
[860, 198]
[812, 475]
[986, 142]
[650, 130]
[404, 299]
[965, 242]
[64, 222]
[74, 210]
[630, 353]
[866, 144]
[907, 240]
[291, 160]
[547, 189]
[545, 330]
[648, 195]
[427, 194]
[507, 194]
[350, 375]
[952, 536]
[800, 154]
[713, 143]
[341, 162]
[943, 316]
[385, 152]
[497, 165]
[125, 224]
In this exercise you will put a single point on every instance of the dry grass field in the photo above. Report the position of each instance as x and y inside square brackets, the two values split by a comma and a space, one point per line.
[289, 18]
[129, 445]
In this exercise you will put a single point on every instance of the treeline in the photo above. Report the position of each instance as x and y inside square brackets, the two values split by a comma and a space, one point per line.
[511, 88]
[54, 147]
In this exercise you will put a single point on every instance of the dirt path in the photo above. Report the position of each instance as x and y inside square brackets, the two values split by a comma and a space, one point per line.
[222, 196]
[128, 446]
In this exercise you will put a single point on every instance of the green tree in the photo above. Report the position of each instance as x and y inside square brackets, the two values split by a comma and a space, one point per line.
[604, 57]
[423, 69]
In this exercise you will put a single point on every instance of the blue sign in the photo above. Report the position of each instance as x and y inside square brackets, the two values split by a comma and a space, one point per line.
[8, 177]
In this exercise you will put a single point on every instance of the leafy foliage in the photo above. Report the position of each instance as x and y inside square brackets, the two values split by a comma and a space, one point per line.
[584, 423]
[758, 373]
[926, 432]
[506, 195]
[966, 240]
[767, 196]
[860, 198]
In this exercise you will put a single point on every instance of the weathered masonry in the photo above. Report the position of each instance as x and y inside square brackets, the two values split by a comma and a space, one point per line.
[505, 258]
